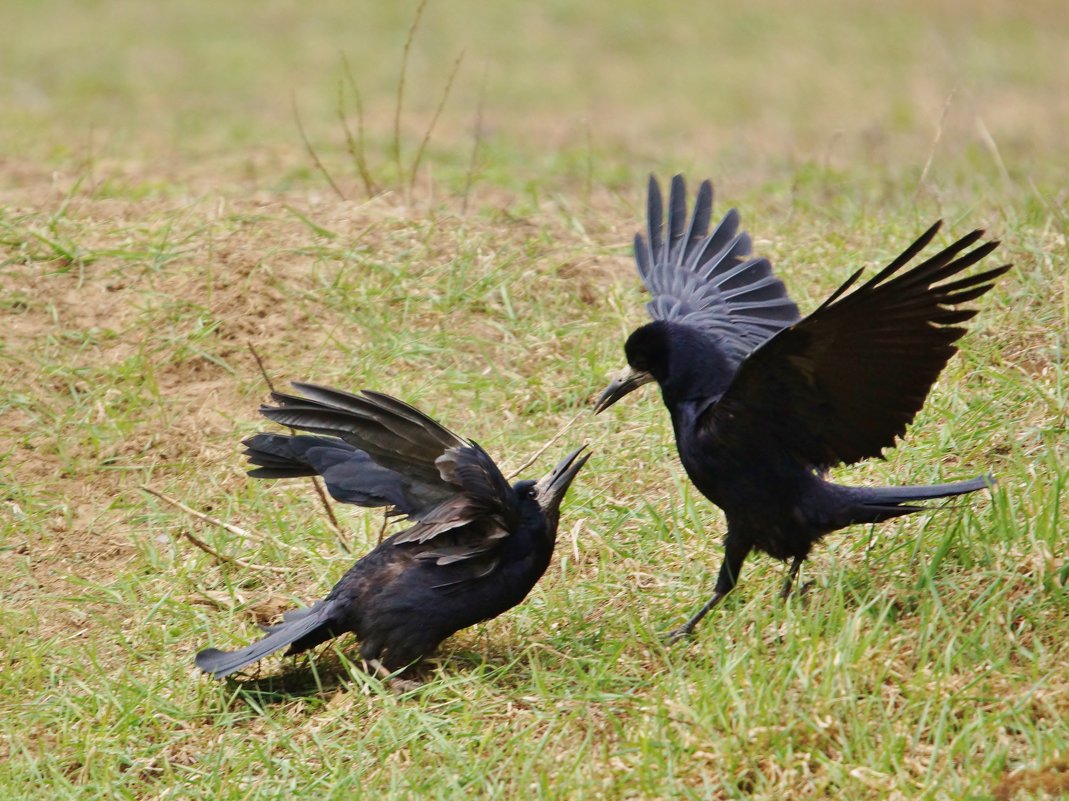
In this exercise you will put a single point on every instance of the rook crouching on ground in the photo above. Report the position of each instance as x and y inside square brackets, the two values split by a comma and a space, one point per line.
[476, 547]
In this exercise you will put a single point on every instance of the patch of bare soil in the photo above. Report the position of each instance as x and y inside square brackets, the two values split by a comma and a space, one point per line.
[72, 331]
[1050, 781]
[126, 345]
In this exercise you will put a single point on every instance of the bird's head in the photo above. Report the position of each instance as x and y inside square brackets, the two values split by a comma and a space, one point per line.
[550, 490]
[683, 359]
[647, 360]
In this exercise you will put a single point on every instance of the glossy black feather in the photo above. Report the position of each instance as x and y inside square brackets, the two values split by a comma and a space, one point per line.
[845, 382]
[710, 282]
[476, 546]
[350, 474]
[763, 403]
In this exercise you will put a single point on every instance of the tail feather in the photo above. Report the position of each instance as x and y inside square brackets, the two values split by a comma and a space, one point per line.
[876, 504]
[302, 629]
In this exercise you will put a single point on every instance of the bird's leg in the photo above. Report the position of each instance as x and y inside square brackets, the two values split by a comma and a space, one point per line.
[796, 563]
[395, 683]
[377, 668]
[735, 554]
[675, 635]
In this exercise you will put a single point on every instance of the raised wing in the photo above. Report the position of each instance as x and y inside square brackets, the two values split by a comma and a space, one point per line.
[350, 474]
[465, 486]
[843, 383]
[707, 280]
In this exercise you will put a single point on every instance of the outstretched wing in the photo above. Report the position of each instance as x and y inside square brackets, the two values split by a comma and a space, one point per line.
[396, 435]
[843, 383]
[710, 281]
[350, 474]
[464, 483]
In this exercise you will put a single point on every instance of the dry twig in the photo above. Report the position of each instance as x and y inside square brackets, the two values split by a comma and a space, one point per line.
[199, 543]
[401, 89]
[469, 177]
[312, 153]
[545, 447]
[356, 146]
[434, 121]
[315, 481]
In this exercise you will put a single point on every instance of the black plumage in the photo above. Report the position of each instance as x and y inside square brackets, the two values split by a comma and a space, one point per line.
[763, 402]
[476, 546]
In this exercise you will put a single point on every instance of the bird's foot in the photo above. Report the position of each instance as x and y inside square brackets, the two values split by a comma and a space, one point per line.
[394, 682]
[401, 686]
[684, 631]
[799, 592]
[677, 634]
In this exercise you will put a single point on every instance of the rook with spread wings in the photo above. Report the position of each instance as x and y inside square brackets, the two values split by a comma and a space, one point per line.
[764, 402]
[476, 546]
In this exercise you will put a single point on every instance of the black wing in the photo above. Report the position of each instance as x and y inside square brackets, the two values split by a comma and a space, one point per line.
[350, 474]
[840, 385]
[452, 482]
[709, 280]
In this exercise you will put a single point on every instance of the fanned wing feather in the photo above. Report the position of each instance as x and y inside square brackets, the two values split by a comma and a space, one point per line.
[394, 434]
[706, 280]
[389, 453]
[843, 383]
[350, 474]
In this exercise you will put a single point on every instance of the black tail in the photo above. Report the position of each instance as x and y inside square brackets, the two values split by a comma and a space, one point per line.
[876, 504]
[301, 629]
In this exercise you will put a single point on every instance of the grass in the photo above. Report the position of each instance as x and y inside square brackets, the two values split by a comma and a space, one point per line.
[160, 214]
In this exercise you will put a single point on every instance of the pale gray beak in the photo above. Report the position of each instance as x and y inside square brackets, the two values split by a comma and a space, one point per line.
[551, 488]
[623, 384]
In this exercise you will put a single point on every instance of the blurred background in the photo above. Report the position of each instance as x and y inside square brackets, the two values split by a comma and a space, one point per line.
[591, 90]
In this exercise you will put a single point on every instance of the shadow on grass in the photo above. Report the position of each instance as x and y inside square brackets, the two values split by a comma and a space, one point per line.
[319, 678]
[325, 675]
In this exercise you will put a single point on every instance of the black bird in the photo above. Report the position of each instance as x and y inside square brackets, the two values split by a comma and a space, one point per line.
[476, 547]
[764, 402]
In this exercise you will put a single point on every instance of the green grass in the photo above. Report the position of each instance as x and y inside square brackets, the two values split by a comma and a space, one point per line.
[159, 214]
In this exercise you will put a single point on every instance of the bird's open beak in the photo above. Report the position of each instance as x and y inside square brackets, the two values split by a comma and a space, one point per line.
[552, 487]
[623, 384]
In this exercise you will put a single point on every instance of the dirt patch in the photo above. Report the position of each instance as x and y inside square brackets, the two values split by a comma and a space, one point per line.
[117, 362]
[127, 340]
[1050, 781]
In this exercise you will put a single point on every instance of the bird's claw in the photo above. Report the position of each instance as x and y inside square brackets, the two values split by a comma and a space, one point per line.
[677, 634]
[401, 686]
[390, 679]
